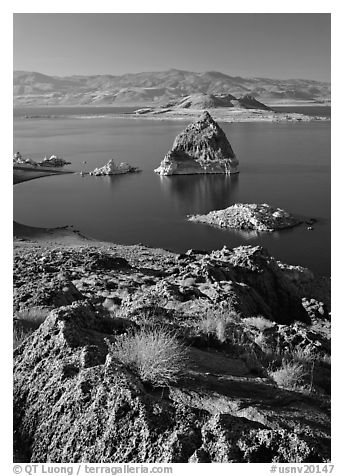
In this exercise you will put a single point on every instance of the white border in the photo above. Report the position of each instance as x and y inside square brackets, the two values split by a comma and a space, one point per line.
[292, 6]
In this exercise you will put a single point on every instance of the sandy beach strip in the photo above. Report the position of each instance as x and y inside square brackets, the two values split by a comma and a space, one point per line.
[64, 234]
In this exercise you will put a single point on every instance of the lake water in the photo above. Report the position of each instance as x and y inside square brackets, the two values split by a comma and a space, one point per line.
[285, 165]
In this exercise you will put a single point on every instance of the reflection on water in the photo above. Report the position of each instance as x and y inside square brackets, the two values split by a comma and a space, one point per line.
[114, 181]
[201, 192]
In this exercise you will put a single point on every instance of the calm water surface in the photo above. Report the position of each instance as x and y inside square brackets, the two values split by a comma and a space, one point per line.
[285, 165]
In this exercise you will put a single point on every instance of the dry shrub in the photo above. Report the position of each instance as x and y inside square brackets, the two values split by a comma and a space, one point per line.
[155, 354]
[289, 375]
[219, 325]
[259, 322]
[26, 322]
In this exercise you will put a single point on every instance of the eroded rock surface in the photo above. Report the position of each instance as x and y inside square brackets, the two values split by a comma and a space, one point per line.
[258, 217]
[202, 148]
[74, 402]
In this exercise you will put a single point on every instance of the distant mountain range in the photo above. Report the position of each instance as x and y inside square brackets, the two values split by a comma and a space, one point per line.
[152, 88]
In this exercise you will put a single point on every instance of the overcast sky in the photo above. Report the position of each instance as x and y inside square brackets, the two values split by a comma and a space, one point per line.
[266, 45]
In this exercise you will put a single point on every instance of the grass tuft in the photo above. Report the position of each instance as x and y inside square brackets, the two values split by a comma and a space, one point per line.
[155, 354]
[289, 375]
[26, 322]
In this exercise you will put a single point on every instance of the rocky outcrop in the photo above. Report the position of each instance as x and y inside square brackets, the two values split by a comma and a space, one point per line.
[18, 159]
[75, 402]
[246, 280]
[54, 161]
[259, 217]
[112, 168]
[202, 148]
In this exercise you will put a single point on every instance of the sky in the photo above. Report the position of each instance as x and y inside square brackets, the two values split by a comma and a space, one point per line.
[249, 45]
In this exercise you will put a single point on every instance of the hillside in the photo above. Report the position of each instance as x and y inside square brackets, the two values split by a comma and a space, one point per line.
[32, 88]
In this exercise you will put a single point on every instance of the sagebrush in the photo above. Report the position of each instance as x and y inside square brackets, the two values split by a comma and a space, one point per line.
[155, 354]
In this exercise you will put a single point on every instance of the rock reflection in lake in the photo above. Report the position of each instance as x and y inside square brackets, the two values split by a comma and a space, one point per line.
[201, 192]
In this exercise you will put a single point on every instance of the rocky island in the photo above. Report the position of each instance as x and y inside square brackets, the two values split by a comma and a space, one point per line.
[52, 161]
[258, 217]
[223, 107]
[112, 168]
[202, 148]
[201, 101]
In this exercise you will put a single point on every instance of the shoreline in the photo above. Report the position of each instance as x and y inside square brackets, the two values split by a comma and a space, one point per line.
[270, 104]
[229, 115]
[66, 235]
[63, 234]
[22, 173]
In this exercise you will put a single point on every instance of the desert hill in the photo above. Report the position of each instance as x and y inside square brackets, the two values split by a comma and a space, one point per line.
[149, 88]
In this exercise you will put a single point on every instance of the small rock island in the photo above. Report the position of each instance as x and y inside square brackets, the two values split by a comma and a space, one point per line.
[202, 148]
[258, 217]
[111, 168]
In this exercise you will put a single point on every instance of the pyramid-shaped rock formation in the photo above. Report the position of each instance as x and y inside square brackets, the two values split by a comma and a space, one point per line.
[202, 148]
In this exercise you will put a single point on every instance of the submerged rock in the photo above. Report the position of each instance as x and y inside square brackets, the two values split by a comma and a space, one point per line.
[259, 217]
[202, 148]
[111, 168]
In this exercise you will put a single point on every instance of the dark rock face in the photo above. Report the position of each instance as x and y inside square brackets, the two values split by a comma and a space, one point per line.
[201, 148]
[258, 270]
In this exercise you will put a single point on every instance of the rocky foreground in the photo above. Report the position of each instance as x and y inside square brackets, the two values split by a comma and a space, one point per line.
[256, 380]
[252, 216]
[201, 148]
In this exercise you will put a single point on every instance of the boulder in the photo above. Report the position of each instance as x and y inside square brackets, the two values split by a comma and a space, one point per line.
[202, 148]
